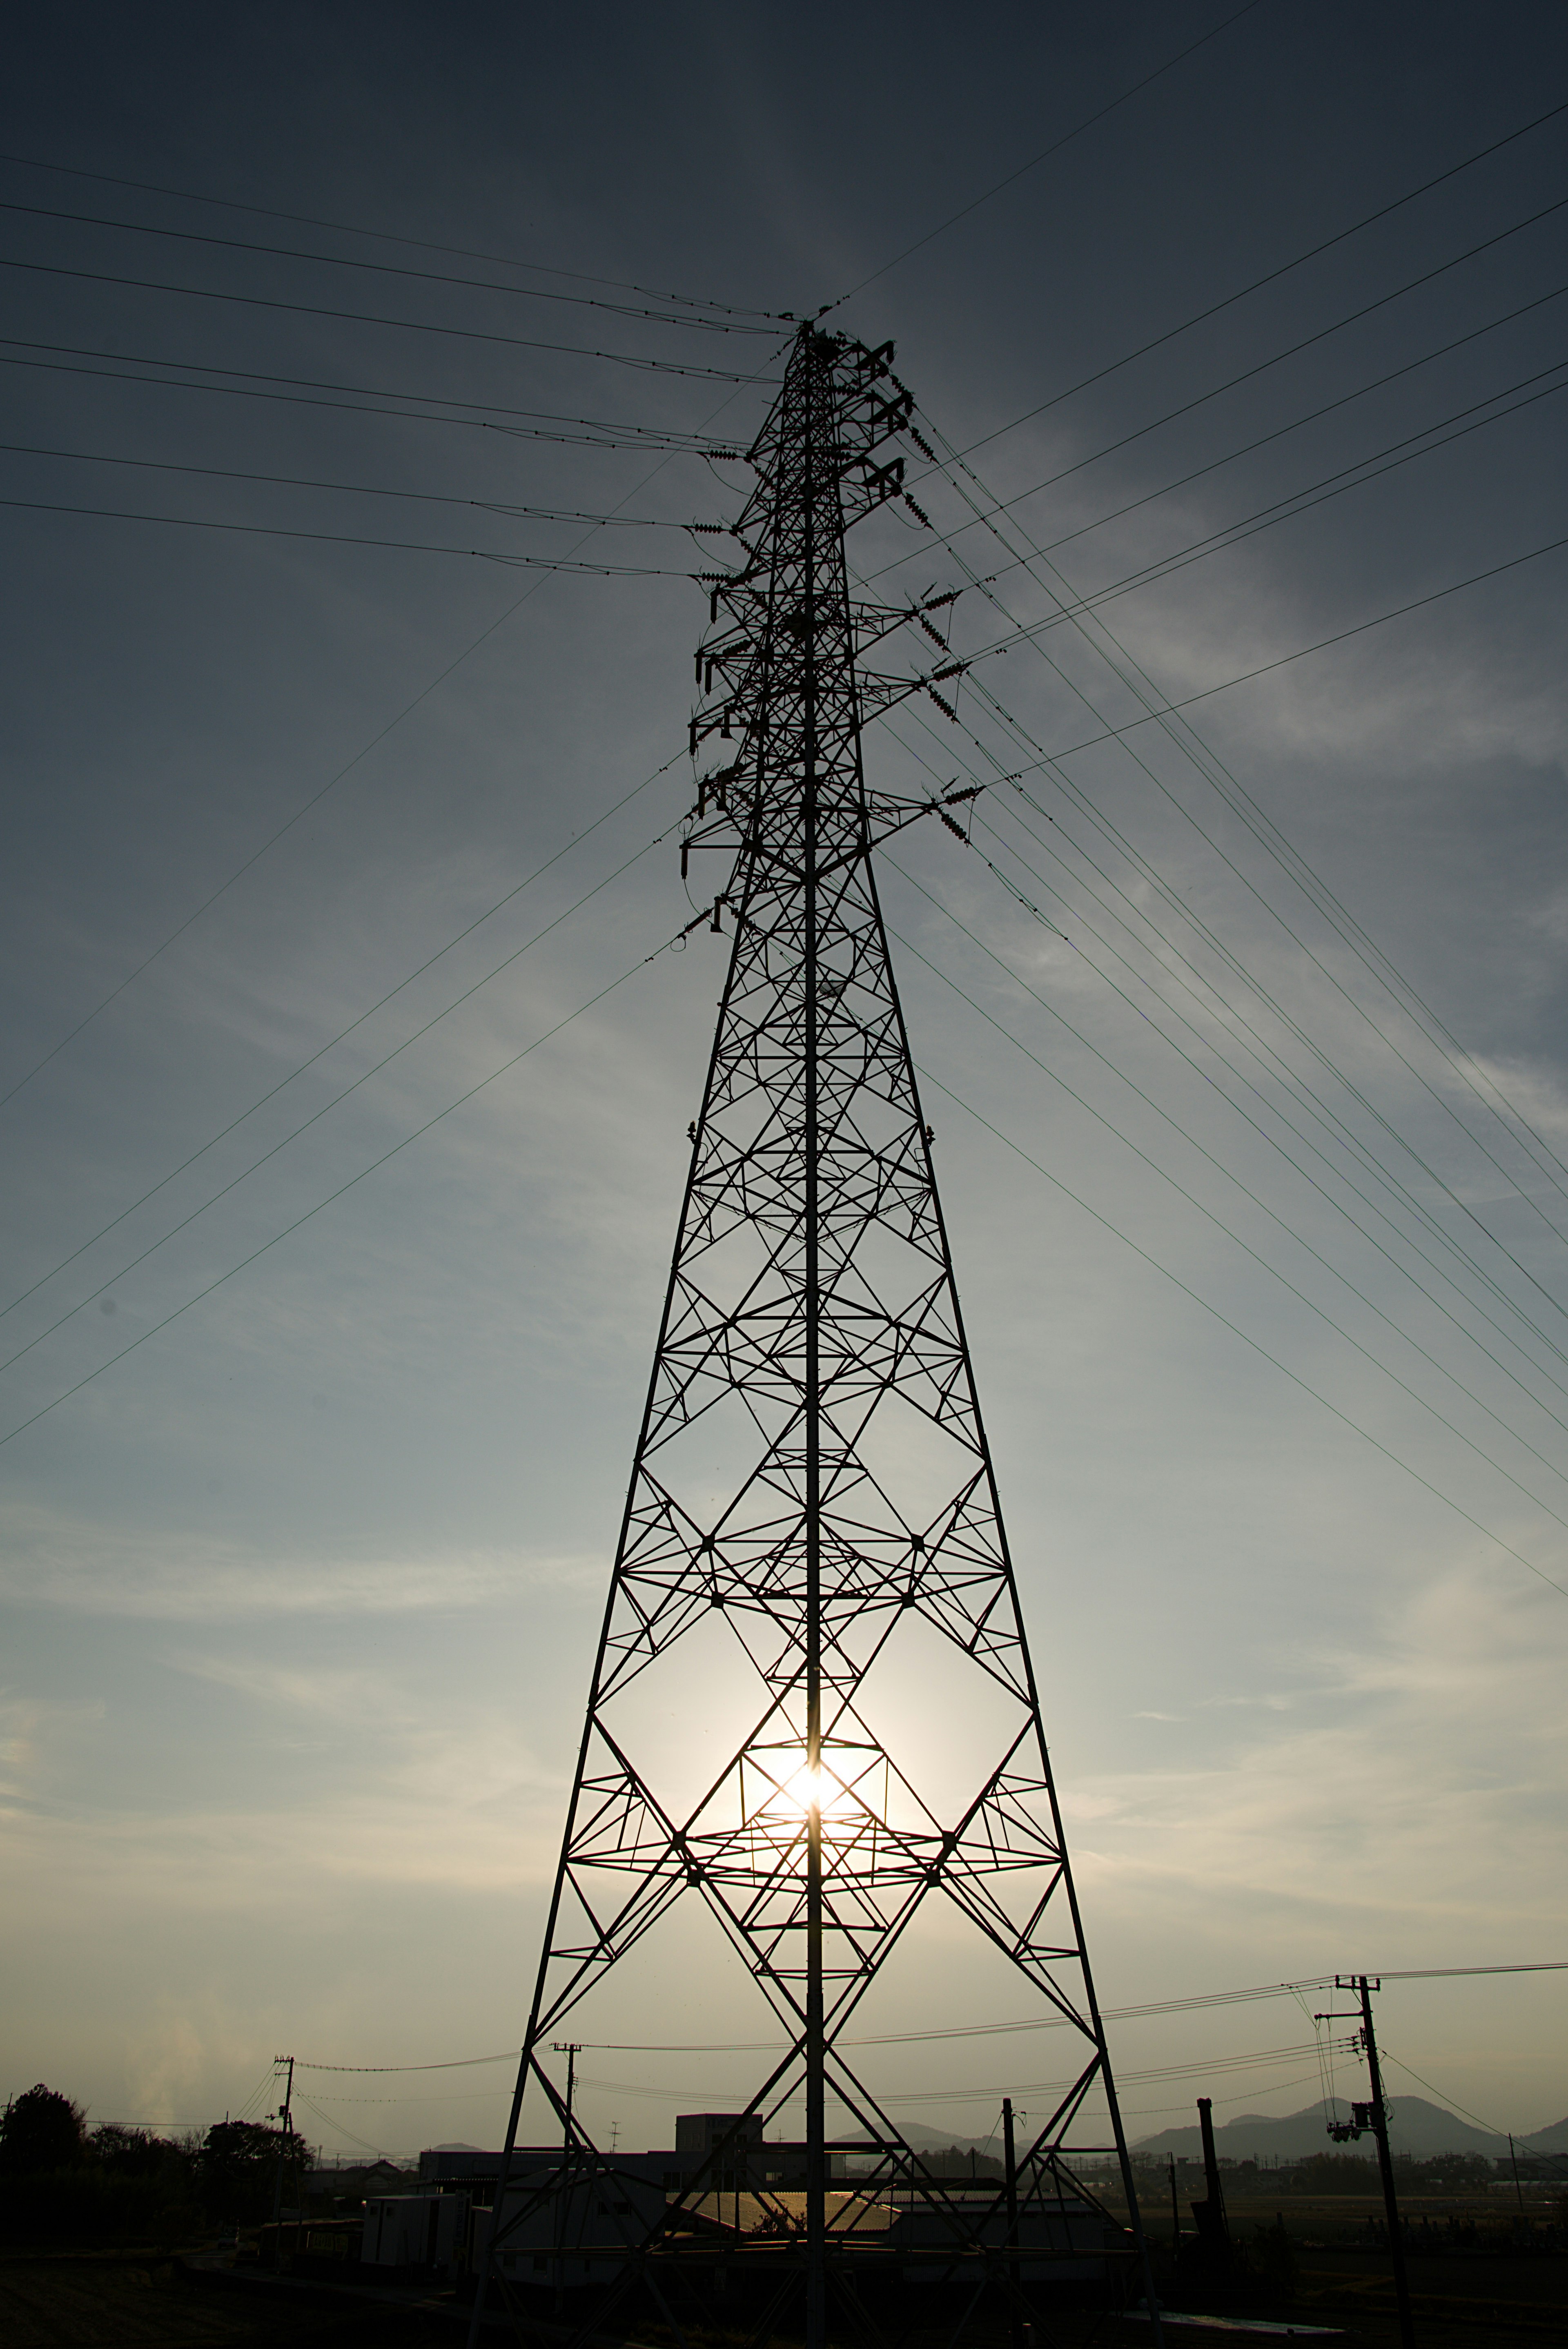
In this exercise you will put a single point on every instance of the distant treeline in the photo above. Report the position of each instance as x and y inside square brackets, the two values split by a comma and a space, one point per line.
[1350, 2173]
[63, 2182]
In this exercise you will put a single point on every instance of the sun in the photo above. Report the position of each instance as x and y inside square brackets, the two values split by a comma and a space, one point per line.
[784, 1796]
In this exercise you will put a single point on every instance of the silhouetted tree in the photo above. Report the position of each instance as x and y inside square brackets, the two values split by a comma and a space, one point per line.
[137, 2152]
[239, 2166]
[40, 2130]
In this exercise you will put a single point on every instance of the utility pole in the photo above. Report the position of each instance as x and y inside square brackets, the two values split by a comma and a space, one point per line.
[1375, 2117]
[811, 1343]
[285, 2110]
[571, 2049]
[1010, 2159]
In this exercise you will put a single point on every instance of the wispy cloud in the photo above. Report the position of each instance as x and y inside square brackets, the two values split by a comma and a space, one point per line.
[86, 1568]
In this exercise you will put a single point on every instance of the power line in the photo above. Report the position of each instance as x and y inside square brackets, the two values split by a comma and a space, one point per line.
[384, 236]
[1294, 865]
[1218, 541]
[1197, 2004]
[1073, 615]
[1299, 1088]
[341, 1095]
[1273, 1110]
[1046, 152]
[370, 318]
[589, 433]
[1257, 1347]
[1356, 1092]
[1246, 448]
[1055, 765]
[510, 557]
[454, 2063]
[1300, 872]
[1354, 476]
[1284, 269]
[342, 489]
[1220, 1224]
[392, 269]
[1231, 1176]
[1258, 2060]
[1342, 635]
[1268, 1058]
[316, 797]
[300, 1067]
[234, 1270]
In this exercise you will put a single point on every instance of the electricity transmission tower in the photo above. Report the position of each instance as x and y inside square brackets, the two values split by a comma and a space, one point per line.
[813, 1506]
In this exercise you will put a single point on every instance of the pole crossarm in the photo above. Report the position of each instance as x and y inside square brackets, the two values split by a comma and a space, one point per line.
[812, 1529]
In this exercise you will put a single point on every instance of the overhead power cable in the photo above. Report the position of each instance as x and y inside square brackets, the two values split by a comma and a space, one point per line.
[370, 318]
[533, 423]
[1050, 2020]
[1283, 269]
[1207, 762]
[509, 557]
[1245, 448]
[1299, 1089]
[343, 1094]
[1185, 737]
[1439, 434]
[1193, 746]
[1272, 1109]
[1235, 1328]
[1337, 985]
[1294, 1084]
[1138, 683]
[380, 236]
[1260, 2059]
[1356, 1090]
[1065, 138]
[1257, 1257]
[358, 1022]
[256, 1253]
[1054, 762]
[1297, 1086]
[1264, 669]
[342, 489]
[693, 319]
[331, 783]
[1253, 1040]
[328, 2121]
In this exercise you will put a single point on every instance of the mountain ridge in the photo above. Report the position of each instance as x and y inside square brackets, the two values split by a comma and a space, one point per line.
[1416, 2126]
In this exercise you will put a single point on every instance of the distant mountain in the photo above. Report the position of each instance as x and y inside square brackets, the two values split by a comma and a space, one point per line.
[1415, 2127]
[928, 2140]
[1547, 2140]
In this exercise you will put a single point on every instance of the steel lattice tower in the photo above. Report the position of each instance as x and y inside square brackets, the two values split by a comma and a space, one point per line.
[812, 1304]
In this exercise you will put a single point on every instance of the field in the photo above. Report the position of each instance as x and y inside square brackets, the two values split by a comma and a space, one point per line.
[1482, 2291]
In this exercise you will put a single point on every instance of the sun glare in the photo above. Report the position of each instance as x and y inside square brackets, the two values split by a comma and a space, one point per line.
[781, 1794]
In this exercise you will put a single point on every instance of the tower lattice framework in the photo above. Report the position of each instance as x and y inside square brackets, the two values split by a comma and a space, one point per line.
[811, 1337]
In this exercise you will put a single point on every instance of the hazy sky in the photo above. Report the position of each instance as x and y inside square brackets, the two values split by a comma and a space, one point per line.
[300, 1595]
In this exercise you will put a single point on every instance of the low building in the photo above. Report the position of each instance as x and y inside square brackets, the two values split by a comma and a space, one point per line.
[423, 2232]
[561, 2229]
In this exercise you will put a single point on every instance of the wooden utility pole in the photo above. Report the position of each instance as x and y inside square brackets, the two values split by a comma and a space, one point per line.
[284, 2114]
[1010, 2158]
[1375, 2117]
